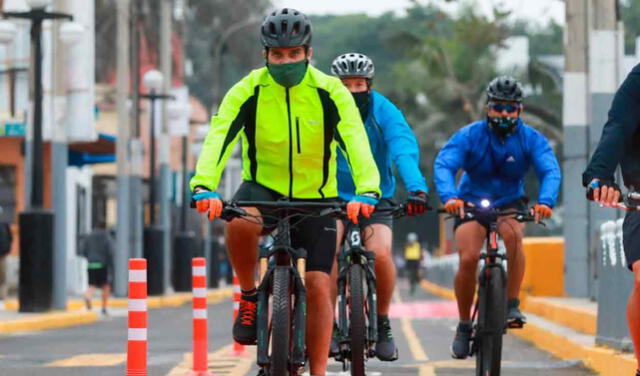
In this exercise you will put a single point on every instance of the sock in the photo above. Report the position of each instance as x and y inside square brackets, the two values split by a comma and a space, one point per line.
[466, 324]
[513, 303]
[251, 292]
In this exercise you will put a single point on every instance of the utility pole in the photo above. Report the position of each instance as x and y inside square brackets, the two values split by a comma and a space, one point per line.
[123, 227]
[136, 203]
[166, 69]
[605, 55]
[59, 156]
[575, 121]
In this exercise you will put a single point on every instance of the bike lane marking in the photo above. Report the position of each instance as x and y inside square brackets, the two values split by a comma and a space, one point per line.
[90, 360]
[220, 362]
[417, 351]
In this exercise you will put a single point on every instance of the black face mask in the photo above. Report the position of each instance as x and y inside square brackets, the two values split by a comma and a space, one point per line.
[502, 126]
[362, 101]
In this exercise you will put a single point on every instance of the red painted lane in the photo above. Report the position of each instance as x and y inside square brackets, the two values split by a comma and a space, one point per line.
[424, 310]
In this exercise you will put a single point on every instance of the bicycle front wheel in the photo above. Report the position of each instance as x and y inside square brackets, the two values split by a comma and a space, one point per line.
[281, 322]
[357, 323]
[492, 321]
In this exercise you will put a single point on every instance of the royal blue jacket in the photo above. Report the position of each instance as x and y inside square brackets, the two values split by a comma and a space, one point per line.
[493, 169]
[391, 140]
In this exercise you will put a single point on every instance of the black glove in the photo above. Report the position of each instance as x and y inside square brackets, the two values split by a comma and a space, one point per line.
[417, 202]
[598, 183]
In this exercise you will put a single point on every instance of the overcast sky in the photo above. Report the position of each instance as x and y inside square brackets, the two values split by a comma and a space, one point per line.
[538, 11]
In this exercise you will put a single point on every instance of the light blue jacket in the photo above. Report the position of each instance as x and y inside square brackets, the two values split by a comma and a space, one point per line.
[494, 169]
[391, 140]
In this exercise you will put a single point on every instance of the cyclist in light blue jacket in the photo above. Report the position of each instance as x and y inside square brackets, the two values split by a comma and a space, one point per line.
[393, 144]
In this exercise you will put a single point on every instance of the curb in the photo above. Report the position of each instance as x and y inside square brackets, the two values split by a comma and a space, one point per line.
[46, 321]
[79, 316]
[580, 319]
[602, 360]
[173, 300]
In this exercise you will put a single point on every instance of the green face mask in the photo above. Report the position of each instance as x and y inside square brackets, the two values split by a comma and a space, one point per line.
[288, 75]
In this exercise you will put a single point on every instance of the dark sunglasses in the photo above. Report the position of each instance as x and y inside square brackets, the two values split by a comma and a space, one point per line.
[499, 107]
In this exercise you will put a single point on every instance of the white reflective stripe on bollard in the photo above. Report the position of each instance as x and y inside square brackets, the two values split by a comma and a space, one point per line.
[199, 313]
[137, 335]
[137, 276]
[199, 292]
[138, 305]
[236, 305]
[199, 270]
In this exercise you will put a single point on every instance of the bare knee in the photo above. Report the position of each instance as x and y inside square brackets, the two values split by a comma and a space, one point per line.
[636, 280]
[317, 284]
[511, 232]
[469, 260]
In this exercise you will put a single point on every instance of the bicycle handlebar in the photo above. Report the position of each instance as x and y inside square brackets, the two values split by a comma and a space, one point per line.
[472, 212]
[234, 209]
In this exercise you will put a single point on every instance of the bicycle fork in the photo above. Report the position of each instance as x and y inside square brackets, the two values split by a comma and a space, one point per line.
[298, 353]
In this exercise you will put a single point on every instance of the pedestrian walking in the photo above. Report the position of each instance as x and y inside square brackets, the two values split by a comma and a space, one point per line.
[6, 241]
[98, 248]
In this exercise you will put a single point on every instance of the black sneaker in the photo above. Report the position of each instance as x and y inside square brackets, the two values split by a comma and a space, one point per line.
[638, 372]
[334, 346]
[515, 318]
[245, 328]
[386, 349]
[461, 342]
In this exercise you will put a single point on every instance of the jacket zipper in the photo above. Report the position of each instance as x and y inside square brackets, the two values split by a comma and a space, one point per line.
[298, 133]
[290, 145]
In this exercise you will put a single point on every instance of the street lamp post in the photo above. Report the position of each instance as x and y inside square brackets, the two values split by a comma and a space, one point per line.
[36, 223]
[153, 234]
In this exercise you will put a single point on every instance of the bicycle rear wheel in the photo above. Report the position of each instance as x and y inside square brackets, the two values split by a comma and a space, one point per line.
[357, 323]
[492, 321]
[281, 322]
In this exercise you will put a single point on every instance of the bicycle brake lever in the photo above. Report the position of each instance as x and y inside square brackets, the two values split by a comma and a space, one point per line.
[230, 212]
[328, 211]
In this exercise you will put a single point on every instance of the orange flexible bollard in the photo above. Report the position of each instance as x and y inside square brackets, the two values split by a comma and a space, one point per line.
[199, 286]
[238, 349]
[137, 332]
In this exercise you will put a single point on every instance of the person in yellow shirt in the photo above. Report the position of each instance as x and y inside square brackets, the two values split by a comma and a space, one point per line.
[412, 256]
[291, 117]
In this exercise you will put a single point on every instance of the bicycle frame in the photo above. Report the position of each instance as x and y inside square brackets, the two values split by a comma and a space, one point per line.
[491, 259]
[355, 253]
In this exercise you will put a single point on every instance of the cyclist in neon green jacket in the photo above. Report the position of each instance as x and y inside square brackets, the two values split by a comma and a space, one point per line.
[290, 117]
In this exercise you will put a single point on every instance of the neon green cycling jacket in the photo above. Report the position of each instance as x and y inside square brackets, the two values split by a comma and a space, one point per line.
[289, 136]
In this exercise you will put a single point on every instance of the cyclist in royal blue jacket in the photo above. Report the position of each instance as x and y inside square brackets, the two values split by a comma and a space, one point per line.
[393, 144]
[494, 155]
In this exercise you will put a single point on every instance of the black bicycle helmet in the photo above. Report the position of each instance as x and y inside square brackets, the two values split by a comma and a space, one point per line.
[286, 28]
[353, 65]
[505, 88]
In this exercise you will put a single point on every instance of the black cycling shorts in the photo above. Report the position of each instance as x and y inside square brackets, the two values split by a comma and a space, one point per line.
[631, 237]
[317, 235]
[519, 204]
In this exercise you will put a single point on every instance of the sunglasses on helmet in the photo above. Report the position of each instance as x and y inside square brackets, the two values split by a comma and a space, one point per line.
[499, 107]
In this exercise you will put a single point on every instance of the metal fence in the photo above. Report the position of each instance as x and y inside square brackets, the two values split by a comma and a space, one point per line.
[614, 285]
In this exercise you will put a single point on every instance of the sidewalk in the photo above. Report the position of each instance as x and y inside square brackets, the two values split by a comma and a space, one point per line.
[12, 321]
[564, 327]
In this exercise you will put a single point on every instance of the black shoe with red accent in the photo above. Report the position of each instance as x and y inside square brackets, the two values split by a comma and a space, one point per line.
[245, 328]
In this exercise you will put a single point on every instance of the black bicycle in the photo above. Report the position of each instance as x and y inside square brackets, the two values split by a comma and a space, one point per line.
[490, 308]
[281, 338]
[357, 304]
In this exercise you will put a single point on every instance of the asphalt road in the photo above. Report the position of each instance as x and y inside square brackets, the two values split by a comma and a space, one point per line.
[423, 327]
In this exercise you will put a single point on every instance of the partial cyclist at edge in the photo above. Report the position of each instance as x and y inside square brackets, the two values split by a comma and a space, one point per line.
[494, 155]
[620, 146]
[291, 117]
[393, 144]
